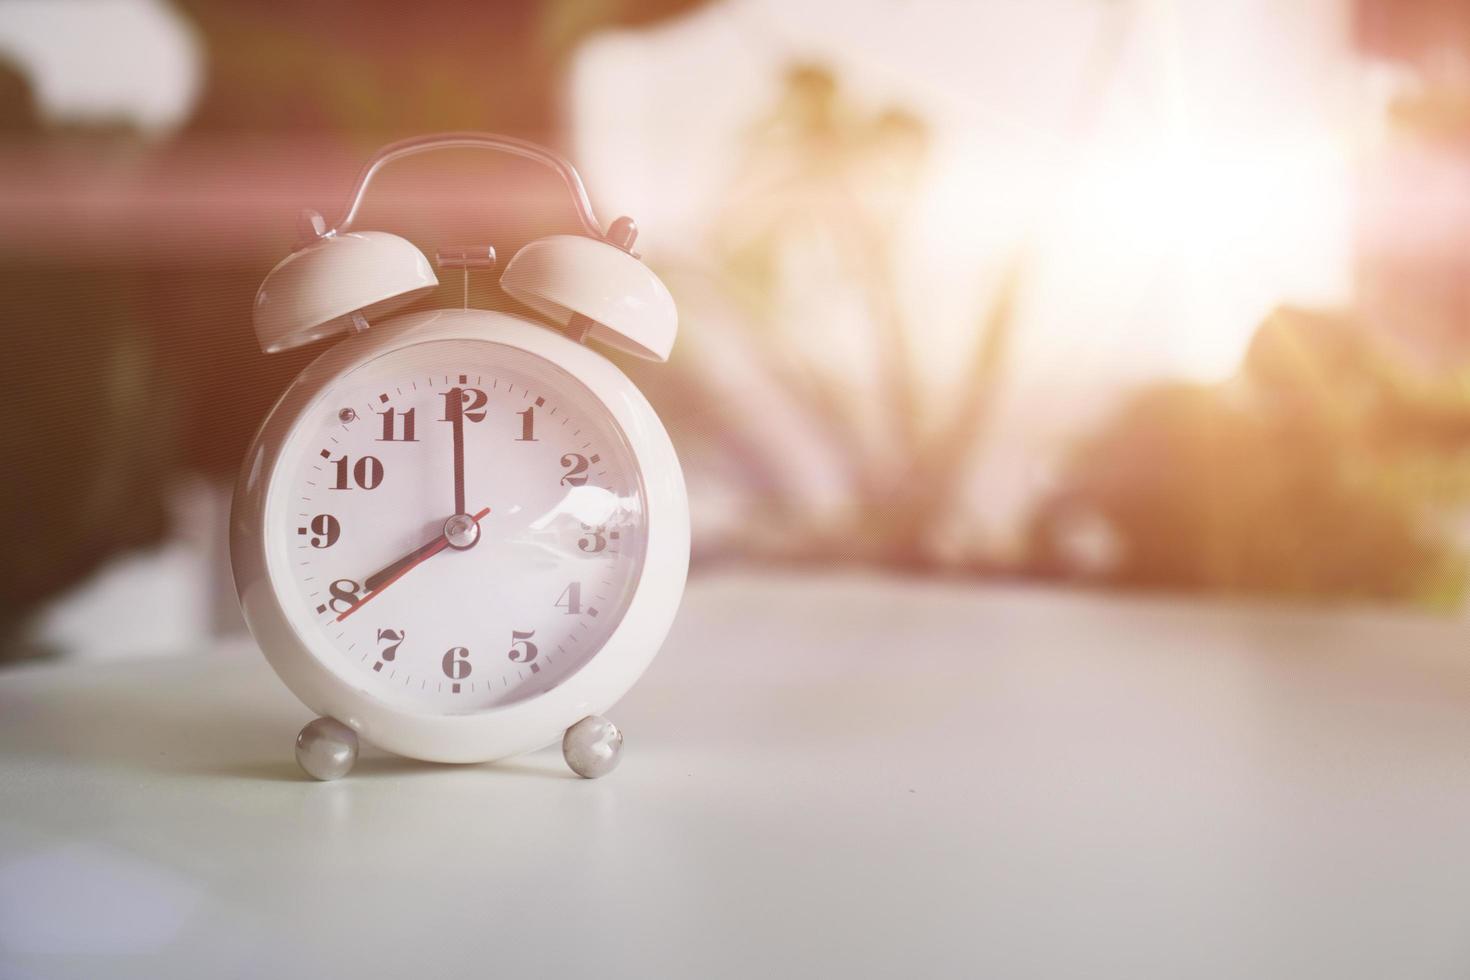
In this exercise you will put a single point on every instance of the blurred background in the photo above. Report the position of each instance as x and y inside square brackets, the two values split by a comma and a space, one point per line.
[1160, 295]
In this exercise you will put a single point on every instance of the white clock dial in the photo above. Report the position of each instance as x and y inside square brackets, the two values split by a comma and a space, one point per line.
[544, 513]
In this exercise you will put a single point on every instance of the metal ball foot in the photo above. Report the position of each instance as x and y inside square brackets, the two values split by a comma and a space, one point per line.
[592, 747]
[326, 749]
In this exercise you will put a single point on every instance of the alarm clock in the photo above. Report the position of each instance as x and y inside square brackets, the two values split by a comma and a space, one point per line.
[461, 534]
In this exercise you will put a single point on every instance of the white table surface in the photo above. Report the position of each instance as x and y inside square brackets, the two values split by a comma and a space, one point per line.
[823, 777]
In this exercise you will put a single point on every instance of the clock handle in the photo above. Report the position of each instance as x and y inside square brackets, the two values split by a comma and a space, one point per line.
[485, 141]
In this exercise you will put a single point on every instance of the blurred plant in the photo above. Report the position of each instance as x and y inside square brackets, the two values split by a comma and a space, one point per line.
[1327, 467]
[800, 269]
[809, 316]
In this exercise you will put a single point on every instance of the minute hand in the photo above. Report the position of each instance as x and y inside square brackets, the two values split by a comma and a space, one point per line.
[385, 575]
[456, 418]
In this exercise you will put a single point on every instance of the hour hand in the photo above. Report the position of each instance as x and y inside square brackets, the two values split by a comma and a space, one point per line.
[387, 573]
[460, 531]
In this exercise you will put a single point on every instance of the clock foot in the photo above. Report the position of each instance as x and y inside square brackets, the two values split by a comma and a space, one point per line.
[326, 749]
[592, 747]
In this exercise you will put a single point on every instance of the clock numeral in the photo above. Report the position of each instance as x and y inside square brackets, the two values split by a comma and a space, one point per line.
[366, 473]
[395, 640]
[528, 426]
[594, 540]
[457, 664]
[344, 595]
[390, 426]
[577, 476]
[327, 530]
[471, 404]
[522, 650]
[571, 599]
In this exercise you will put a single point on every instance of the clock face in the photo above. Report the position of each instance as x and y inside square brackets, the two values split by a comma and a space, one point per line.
[455, 525]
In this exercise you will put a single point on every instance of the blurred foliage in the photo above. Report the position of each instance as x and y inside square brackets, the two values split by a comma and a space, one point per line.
[1334, 464]
[1327, 467]
[816, 212]
[822, 183]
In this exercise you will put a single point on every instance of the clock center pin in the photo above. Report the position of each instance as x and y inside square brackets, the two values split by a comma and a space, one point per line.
[461, 531]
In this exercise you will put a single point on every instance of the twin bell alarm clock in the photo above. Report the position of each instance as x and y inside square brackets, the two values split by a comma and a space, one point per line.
[461, 534]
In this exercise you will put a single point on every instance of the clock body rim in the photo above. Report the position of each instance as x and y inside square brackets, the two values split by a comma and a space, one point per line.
[506, 730]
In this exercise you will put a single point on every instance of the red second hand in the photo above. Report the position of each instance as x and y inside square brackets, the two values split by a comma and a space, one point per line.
[439, 546]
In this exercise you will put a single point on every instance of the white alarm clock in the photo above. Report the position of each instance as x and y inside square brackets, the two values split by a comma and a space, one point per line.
[461, 534]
